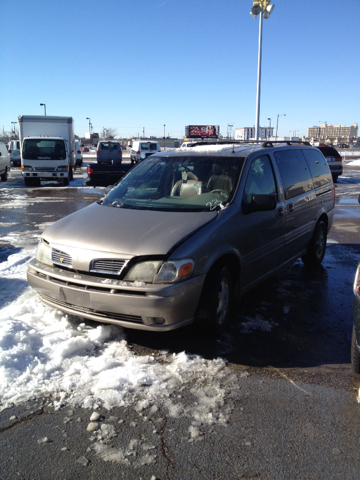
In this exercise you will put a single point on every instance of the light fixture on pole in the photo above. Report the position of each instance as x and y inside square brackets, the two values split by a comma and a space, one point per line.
[43, 105]
[277, 122]
[264, 9]
[269, 128]
[87, 118]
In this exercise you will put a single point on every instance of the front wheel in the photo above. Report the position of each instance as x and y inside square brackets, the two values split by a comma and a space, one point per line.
[355, 354]
[4, 176]
[317, 247]
[216, 299]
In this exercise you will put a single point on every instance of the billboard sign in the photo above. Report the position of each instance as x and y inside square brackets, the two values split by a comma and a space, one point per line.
[202, 131]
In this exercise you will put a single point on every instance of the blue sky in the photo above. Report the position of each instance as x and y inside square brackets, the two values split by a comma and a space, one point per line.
[140, 64]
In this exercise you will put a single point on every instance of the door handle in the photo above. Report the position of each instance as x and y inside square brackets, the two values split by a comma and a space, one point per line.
[290, 207]
[280, 212]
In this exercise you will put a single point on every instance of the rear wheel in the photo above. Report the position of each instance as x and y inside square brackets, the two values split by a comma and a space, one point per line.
[355, 354]
[4, 176]
[317, 247]
[335, 178]
[216, 299]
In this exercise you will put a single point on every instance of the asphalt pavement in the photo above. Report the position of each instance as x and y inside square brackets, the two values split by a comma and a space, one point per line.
[288, 408]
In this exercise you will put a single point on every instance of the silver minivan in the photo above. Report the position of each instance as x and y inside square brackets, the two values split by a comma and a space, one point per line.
[187, 232]
[109, 151]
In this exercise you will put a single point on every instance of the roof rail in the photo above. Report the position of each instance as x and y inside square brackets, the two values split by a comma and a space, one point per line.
[270, 143]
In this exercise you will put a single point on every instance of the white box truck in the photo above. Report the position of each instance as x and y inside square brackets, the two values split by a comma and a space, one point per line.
[47, 146]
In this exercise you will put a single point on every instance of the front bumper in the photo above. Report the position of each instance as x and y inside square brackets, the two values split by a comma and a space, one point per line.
[46, 175]
[131, 305]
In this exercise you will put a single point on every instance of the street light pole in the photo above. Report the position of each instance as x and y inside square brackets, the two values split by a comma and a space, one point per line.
[164, 136]
[87, 118]
[269, 127]
[263, 8]
[258, 84]
[13, 128]
[43, 105]
[277, 122]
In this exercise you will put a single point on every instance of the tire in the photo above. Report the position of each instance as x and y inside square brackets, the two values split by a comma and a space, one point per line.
[4, 176]
[71, 173]
[335, 178]
[355, 354]
[216, 299]
[317, 247]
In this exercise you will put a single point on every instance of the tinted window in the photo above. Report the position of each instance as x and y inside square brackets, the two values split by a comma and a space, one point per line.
[260, 179]
[318, 167]
[329, 151]
[294, 172]
[153, 146]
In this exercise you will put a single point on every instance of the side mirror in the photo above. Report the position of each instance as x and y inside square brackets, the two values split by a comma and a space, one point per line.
[259, 203]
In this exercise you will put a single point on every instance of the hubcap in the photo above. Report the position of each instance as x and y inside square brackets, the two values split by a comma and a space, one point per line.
[320, 241]
[223, 300]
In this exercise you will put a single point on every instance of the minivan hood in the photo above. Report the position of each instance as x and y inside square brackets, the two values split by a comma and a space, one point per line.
[125, 231]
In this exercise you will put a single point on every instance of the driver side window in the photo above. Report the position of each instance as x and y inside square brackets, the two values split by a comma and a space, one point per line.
[260, 180]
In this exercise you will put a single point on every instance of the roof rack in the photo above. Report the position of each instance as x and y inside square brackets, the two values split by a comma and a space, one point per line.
[270, 143]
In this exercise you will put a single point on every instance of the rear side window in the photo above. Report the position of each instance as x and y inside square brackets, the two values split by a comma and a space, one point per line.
[18, 145]
[329, 152]
[294, 172]
[318, 167]
[153, 146]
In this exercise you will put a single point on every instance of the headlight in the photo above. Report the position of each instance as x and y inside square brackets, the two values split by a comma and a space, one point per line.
[161, 272]
[356, 287]
[143, 272]
[175, 271]
[43, 252]
[27, 167]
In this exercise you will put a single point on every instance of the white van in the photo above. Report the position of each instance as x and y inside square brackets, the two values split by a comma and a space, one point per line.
[14, 152]
[4, 162]
[78, 154]
[142, 149]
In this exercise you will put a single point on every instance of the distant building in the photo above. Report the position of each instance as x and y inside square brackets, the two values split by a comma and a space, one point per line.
[248, 133]
[333, 134]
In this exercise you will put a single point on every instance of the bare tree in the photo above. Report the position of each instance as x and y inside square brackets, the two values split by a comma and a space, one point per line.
[109, 133]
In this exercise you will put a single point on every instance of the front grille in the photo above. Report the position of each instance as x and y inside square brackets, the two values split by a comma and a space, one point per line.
[61, 258]
[83, 310]
[112, 267]
[44, 169]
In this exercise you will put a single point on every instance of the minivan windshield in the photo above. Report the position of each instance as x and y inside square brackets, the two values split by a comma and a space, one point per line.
[178, 183]
[44, 149]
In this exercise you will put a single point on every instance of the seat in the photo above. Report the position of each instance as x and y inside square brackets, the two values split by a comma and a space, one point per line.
[175, 191]
[190, 188]
[32, 150]
[219, 180]
[58, 149]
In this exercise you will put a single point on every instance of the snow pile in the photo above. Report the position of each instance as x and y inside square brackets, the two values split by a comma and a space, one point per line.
[44, 353]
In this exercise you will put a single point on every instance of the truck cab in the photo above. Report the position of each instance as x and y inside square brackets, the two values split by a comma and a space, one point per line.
[47, 159]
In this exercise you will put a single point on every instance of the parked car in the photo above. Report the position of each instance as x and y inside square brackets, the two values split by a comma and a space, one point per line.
[142, 149]
[4, 162]
[185, 233]
[355, 340]
[108, 152]
[334, 160]
[14, 152]
[78, 154]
